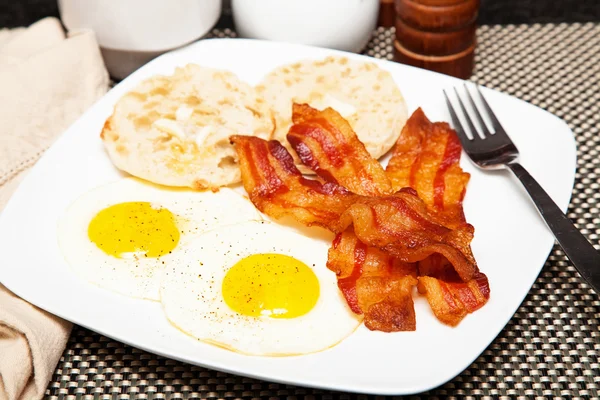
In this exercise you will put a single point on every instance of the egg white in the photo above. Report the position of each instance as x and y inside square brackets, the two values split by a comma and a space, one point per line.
[191, 293]
[196, 213]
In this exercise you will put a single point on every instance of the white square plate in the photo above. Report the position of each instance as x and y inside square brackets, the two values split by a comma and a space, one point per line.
[511, 241]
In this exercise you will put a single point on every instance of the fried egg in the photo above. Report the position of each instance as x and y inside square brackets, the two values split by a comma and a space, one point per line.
[258, 289]
[116, 236]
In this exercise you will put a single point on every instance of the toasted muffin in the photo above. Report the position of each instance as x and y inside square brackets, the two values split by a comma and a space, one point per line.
[364, 94]
[174, 130]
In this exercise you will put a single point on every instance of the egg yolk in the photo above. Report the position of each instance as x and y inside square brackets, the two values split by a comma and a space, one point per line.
[134, 228]
[272, 285]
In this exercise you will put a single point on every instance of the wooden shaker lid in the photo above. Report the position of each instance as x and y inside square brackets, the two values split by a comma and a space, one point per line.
[429, 17]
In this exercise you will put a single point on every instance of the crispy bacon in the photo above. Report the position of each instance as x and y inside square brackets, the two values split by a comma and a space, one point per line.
[400, 225]
[426, 158]
[278, 189]
[374, 283]
[326, 143]
[383, 239]
[452, 300]
[379, 283]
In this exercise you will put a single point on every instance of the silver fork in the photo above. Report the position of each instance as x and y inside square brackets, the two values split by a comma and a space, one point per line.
[495, 150]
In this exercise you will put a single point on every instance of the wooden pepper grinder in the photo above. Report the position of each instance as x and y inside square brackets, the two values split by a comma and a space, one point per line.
[439, 35]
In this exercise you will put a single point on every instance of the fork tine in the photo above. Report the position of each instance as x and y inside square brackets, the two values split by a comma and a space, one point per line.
[474, 131]
[495, 123]
[484, 126]
[455, 121]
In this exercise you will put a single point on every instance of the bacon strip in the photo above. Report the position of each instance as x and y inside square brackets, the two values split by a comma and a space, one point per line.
[450, 298]
[326, 143]
[400, 225]
[278, 189]
[346, 258]
[374, 283]
[426, 158]
[451, 301]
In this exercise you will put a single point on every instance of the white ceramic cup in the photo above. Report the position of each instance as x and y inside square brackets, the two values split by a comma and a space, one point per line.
[337, 24]
[131, 32]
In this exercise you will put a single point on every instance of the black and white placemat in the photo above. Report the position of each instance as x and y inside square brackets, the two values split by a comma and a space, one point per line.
[551, 347]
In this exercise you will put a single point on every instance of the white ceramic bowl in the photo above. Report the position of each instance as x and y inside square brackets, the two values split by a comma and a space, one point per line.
[336, 24]
[131, 32]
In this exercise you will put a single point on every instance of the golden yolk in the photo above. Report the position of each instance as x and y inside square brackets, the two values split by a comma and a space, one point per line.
[273, 285]
[134, 227]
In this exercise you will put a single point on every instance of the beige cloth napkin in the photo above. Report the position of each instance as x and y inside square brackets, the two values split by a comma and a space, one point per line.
[47, 80]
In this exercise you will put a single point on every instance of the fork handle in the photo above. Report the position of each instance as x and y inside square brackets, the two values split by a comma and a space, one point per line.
[585, 258]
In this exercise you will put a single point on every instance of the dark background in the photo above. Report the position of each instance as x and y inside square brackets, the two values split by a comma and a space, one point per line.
[24, 12]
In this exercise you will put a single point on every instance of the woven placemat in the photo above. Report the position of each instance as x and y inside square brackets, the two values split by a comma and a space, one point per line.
[551, 347]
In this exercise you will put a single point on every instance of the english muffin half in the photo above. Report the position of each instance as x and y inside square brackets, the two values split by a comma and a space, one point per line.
[363, 93]
[174, 130]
